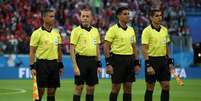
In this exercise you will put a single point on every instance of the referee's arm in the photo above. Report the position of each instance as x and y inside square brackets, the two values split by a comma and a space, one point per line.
[136, 51]
[59, 53]
[75, 66]
[60, 63]
[168, 55]
[145, 48]
[98, 58]
[107, 46]
[32, 53]
[72, 53]
[136, 62]
[168, 50]
[98, 52]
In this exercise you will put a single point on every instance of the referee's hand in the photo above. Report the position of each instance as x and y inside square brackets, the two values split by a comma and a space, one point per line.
[76, 70]
[137, 69]
[109, 69]
[150, 70]
[171, 67]
[33, 71]
[33, 68]
[61, 71]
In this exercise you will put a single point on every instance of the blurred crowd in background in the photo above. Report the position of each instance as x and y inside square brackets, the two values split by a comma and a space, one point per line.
[18, 18]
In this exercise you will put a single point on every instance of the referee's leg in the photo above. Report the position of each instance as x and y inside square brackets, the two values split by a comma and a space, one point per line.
[115, 91]
[90, 92]
[77, 92]
[149, 91]
[40, 93]
[51, 94]
[127, 87]
[165, 90]
[164, 80]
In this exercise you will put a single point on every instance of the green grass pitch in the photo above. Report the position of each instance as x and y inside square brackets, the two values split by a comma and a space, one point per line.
[21, 90]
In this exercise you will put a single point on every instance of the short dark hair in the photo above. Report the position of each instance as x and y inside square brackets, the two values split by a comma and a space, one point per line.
[153, 11]
[46, 11]
[86, 8]
[120, 9]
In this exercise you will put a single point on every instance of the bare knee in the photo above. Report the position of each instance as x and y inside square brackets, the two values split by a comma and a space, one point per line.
[150, 86]
[165, 85]
[90, 90]
[127, 87]
[78, 89]
[116, 88]
[51, 91]
[41, 92]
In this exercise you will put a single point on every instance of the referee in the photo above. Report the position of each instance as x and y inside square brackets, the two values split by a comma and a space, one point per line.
[155, 40]
[121, 63]
[45, 56]
[85, 55]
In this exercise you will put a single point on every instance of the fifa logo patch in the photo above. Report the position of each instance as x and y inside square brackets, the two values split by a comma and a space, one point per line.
[164, 41]
[94, 41]
[56, 41]
[132, 40]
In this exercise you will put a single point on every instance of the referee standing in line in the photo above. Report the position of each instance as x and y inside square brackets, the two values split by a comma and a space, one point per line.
[155, 40]
[121, 63]
[85, 54]
[45, 56]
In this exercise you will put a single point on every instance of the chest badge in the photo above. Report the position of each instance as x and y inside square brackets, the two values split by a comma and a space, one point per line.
[56, 41]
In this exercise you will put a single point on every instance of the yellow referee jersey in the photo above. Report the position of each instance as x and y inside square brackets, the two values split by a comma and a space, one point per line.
[46, 43]
[121, 39]
[85, 41]
[157, 40]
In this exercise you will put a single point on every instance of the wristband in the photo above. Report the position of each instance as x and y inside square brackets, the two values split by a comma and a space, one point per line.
[147, 63]
[170, 61]
[99, 64]
[136, 63]
[32, 66]
[108, 61]
[60, 65]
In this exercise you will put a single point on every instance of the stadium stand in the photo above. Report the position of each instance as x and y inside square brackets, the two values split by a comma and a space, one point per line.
[18, 18]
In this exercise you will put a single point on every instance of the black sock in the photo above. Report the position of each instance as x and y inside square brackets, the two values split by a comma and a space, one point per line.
[50, 98]
[113, 96]
[148, 95]
[127, 97]
[89, 97]
[165, 95]
[76, 97]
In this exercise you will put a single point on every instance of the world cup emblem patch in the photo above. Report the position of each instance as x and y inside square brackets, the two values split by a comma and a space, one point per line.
[56, 41]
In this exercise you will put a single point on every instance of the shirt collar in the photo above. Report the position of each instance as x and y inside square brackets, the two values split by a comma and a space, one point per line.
[43, 28]
[157, 29]
[118, 24]
[86, 28]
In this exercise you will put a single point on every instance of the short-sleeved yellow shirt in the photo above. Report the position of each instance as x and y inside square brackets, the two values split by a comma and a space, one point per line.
[157, 40]
[46, 43]
[85, 41]
[121, 39]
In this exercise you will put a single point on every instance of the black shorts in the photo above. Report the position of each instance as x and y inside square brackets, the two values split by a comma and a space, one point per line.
[162, 73]
[123, 68]
[47, 74]
[88, 70]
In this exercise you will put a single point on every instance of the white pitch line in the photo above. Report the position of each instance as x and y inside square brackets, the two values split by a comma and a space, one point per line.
[17, 91]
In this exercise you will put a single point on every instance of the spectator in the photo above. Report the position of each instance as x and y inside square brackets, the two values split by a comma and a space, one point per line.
[21, 17]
